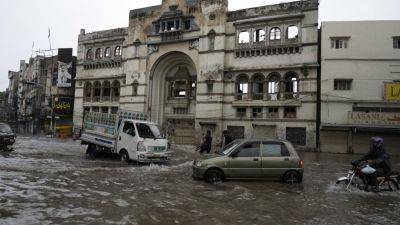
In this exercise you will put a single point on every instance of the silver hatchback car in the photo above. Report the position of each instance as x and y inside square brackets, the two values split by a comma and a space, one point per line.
[252, 159]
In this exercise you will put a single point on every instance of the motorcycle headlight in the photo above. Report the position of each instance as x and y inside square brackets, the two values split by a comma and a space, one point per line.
[141, 147]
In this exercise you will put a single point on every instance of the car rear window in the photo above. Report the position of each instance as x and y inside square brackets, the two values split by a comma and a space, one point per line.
[274, 150]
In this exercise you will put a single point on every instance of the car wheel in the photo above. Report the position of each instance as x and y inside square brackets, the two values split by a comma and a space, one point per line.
[292, 177]
[125, 156]
[214, 176]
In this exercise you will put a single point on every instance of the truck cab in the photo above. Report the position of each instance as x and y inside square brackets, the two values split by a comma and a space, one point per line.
[141, 141]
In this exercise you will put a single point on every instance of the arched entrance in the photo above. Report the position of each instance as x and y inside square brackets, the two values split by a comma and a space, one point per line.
[172, 102]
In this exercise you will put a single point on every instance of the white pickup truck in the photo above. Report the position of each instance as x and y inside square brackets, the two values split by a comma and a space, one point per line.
[128, 134]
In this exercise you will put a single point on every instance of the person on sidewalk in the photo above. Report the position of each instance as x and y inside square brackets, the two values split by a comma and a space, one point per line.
[207, 143]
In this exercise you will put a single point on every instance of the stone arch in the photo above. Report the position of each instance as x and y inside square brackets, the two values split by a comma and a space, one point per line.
[164, 68]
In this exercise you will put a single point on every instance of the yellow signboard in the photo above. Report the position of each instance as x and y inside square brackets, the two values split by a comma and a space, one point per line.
[392, 91]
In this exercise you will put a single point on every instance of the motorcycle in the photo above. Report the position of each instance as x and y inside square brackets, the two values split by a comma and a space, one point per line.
[358, 177]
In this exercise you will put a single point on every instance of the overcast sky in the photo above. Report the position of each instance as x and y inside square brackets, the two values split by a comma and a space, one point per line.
[23, 22]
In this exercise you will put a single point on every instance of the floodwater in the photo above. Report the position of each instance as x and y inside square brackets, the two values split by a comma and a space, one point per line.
[51, 182]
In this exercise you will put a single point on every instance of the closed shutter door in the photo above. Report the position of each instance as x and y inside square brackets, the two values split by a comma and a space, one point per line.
[264, 132]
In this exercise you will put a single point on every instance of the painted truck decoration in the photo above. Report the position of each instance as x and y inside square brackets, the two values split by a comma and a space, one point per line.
[128, 134]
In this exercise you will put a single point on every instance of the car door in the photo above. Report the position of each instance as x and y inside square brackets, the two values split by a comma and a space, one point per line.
[245, 162]
[127, 138]
[275, 159]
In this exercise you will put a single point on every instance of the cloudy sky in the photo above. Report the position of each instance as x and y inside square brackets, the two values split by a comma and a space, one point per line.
[23, 22]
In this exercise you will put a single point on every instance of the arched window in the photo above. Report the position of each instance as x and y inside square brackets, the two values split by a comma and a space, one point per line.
[106, 91]
[273, 86]
[244, 37]
[258, 87]
[115, 91]
[87, 92]
[98, 54]
[242, 87]
[275, 34]
[292, 32]
[291, 85]
[118, 51]
[89, 54]
[96, 91]
[259, 35]
[107, 52]
[211, 40]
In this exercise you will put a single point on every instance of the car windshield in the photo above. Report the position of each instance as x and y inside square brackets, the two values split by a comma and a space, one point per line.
[149, 131]
[4, 128]
[228, 148]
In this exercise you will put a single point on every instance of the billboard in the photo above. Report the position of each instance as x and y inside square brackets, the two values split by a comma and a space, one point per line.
[392, 91]
[65, 67]
[63, 106]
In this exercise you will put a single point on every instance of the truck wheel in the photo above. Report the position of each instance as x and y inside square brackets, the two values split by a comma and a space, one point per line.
[125, 156]
[91, 150]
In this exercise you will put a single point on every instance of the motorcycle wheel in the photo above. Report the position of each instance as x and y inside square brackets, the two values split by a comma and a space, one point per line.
[342, 184]
[389, 185]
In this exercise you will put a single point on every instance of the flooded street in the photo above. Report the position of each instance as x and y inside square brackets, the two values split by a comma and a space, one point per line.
[51, 182]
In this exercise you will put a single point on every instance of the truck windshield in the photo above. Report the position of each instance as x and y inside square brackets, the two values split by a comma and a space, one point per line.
[4, 128]
[148, 131]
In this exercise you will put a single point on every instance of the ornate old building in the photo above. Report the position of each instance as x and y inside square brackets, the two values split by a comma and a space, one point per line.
[193, 66]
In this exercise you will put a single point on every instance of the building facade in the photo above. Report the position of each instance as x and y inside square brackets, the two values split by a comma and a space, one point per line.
[360, 85]
[45, 94]
[194, 66]
[12, 100]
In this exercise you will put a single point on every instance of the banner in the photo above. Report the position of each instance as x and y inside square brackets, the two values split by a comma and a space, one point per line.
[392, 91]
[63, 106]
[65, 67]
[374, 118]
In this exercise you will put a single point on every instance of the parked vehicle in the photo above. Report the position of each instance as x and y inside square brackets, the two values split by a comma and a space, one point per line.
[358, 177]
[252, 159]
[128, 134]
[7, 137]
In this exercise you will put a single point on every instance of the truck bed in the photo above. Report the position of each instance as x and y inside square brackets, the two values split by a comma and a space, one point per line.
[100, 139]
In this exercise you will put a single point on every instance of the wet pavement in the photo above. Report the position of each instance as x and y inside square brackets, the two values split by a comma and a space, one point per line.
[51, 182]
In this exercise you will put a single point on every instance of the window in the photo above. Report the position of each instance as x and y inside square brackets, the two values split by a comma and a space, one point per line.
[275, 34]
[339, 43]
[290, 112]
[118, 51]
[95, 109]
[241, 112]
[135, 87]
[292, 32]
[178, 89]
[258, 87]
[107, 52]
[244, 37]
[148, 131]
[89, 54]
[114, 110]
[396, 42]
[210, 86]
[257, 112]
[342, 84]
[274, 150]
[242, 87]
[129, 128]
[104, 109]
[273, 86]
[273, 112]
[249, 150]
[211, 40]
[106, 91]
[259, 35]
[98, 54]
[291, 85]
[187, 24]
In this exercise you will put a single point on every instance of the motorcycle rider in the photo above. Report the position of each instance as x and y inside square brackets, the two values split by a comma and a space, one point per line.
[378, 159]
